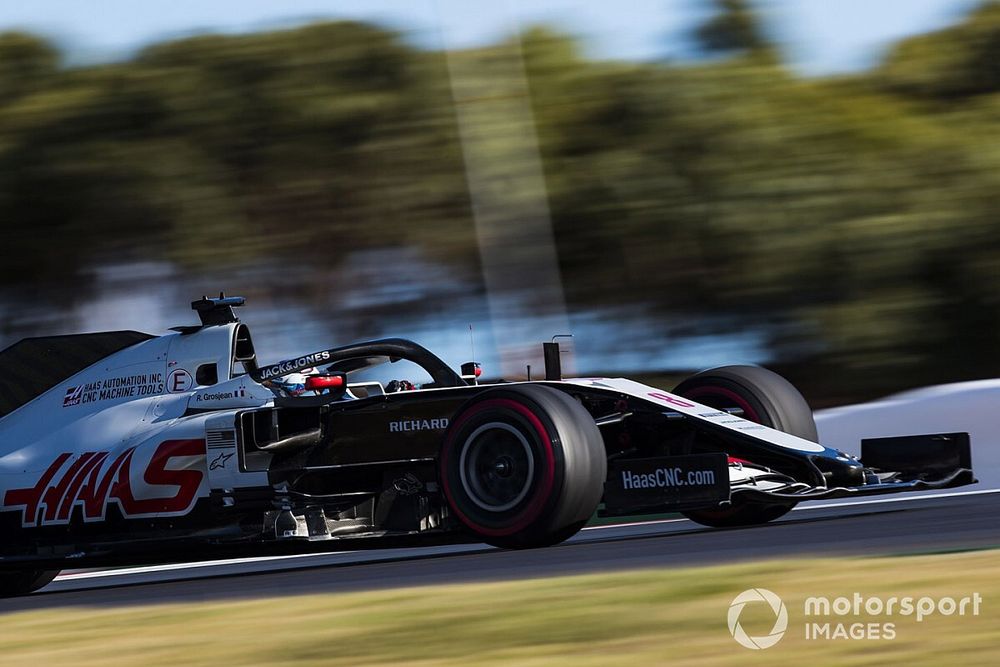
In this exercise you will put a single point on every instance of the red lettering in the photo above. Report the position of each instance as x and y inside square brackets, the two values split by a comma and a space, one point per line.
[157, 474]
[56, 493]
[673, 400]
[94, 494]
[86, 482]
[74, 489]
[31, 498]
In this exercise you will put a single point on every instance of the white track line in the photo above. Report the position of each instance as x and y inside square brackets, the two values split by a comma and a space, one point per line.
[146, 569]
[879, 501]
[633, 523]
[169, 567]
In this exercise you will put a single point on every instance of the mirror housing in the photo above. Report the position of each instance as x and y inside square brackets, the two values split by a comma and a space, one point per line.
[333, 385]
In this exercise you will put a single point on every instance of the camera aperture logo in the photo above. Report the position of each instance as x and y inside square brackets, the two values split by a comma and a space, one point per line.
[751, 596]
[858, 617]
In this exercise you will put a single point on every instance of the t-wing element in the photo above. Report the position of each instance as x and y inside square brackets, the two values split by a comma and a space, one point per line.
[217, 311]
[553, 362]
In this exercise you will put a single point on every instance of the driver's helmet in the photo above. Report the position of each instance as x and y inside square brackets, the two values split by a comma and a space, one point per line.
[294, 384]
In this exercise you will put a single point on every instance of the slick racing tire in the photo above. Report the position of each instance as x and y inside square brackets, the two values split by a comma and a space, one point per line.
[523, 466]
[22, 582]
[764, 397]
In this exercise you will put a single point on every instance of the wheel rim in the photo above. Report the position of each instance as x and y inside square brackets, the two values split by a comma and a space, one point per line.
[496, 467]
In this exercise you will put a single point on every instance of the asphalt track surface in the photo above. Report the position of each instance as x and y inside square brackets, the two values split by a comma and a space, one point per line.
[894, 525]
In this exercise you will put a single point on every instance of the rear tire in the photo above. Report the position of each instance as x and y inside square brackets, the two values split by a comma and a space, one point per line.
[21, 582]
[523, 466]
[766, 398]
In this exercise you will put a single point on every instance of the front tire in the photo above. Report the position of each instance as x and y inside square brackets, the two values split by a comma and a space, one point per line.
[21, 582]
[765, 398]
[523, 466]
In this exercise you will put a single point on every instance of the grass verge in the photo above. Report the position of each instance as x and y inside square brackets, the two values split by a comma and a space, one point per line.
[650, 617]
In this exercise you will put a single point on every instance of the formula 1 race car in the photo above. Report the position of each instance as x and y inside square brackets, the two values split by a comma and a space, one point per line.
[122, 447]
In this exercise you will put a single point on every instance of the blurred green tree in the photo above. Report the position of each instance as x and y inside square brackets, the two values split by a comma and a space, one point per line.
[854, 219]
[734, 27]
[26, 64]
[960, 61]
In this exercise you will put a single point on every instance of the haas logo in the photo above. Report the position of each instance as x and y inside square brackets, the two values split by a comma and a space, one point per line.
[94, 480]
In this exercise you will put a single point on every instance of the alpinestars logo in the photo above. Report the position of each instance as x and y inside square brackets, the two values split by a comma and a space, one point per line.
[756, 595]
[286, 367]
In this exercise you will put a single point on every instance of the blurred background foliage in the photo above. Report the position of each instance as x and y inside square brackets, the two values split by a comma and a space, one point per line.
[854, 218]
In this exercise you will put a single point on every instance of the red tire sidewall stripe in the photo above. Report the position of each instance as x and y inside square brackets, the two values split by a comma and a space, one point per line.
[541, 496]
